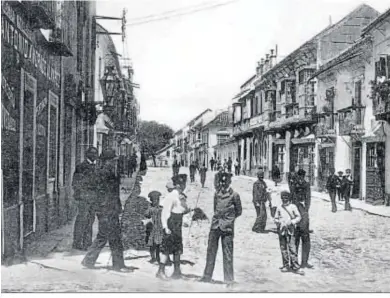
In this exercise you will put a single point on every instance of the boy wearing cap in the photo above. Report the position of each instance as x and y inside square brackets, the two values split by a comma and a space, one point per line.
[174, 207]
[108, 207]
[156, 233]
[286, 218]
[227, 207]
[303, 200]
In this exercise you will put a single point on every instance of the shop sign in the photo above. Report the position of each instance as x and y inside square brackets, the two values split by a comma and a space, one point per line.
[8, 91]
[8, 122]
[303, 141]
[15, 37]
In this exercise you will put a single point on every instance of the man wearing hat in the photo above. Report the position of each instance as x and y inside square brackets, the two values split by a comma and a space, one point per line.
[339, 189]
[332, 184]
[227, 207]
[260, 196]
[217, 177]
[174, 207]
[84, 185]
[108, 207]
[303, 200]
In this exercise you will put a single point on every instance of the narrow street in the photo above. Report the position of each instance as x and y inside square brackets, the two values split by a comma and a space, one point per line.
[348, 248]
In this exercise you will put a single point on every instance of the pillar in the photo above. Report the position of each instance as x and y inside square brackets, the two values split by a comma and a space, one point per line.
[316, 162]
[269, 162]
[242, 153]
[343, 153]
[287, 155]
[61, 133]
[248, 154]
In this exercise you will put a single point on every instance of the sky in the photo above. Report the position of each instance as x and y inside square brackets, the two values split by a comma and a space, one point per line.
[187, 64]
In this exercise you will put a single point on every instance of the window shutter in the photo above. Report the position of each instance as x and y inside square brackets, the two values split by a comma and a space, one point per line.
[382, 66]
[388, 66]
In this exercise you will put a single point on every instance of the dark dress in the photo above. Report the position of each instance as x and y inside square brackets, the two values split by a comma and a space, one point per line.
[173, 243]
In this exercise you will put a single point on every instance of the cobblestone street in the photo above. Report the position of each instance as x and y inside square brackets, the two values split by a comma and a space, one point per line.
[350, 252]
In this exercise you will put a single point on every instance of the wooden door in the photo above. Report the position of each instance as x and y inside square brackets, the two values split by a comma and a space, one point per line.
[375, 185]
[357, 152]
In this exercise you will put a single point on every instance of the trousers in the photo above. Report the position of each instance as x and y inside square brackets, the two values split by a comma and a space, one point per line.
[227, 250]
[289, 251]
[302, 232]
[82, 233]
[109, 230]
[332, 194]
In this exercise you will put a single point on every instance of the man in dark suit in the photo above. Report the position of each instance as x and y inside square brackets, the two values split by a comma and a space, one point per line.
[108, 207]
[227, 207]
[332, 184]
[84, 186]
[302, 200]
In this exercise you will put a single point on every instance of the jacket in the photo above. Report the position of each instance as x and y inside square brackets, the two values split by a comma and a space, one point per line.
[302, 193]
[332, 183]
[227, 207]
[85, 181]
[108, 193]
[259, 192]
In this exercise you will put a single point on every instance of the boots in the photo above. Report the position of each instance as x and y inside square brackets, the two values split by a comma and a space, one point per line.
[176, 271]
[161, 272]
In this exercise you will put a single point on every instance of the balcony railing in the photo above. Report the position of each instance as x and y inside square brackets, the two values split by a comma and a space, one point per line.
[351, 121]
[381, 100]
[325, 130]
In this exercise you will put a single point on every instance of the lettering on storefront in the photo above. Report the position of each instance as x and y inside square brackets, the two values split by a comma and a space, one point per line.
[8, 122]
[41, 106]
[8, 91]
[16, 38]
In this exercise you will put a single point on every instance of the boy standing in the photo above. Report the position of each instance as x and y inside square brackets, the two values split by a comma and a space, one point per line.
[156, 233]
[286, 218]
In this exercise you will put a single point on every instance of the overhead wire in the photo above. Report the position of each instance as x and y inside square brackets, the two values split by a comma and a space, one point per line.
[182, 14]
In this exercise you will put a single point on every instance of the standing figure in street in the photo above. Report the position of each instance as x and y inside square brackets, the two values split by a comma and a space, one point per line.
[292, 181]
[108, 207]
[229, 164]
[192, 171]
[175, 167]
[303, 201]
[339, 190]
[275, 174]
[212, 163]
[202, 173]
[346, 187]
[227, 207]
[156, 233]
[196, 165]
[84, 186]
[132, 165]
[286, 218]
[237, 167]
[332, 184]
[260, 197]
[217, 177]
[174, 207]
[142, 165]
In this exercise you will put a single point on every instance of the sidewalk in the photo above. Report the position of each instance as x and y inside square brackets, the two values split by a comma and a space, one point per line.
[355, 203]
[60, 240]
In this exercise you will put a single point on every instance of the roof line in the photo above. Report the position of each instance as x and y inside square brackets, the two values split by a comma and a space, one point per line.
[375, 22]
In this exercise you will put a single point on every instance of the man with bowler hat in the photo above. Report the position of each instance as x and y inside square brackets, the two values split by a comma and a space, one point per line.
[108, 207]
[84, 186]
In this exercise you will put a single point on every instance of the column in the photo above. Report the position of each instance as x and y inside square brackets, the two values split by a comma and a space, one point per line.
[363, 172]
[287, 155]
[343, 153]
[242, 153]
[248, 154]
[269, 162]
[316, 163]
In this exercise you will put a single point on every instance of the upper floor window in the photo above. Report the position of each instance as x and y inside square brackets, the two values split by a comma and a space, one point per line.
[357, 100]
[382, 67]
[222, 138]
[304, 75]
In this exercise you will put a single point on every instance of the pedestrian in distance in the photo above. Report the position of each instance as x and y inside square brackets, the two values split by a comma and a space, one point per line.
[84, 186]
[346, 186]
[303, 202]
[225, 165]
[275, 174]
[339, 190]
[229, 165]
[192, 171]
[212, 163]
[227, 207]
[202, 173]
[237, 167]
[156, 233]
[108, 208]
[174, 207]
[219, 163]
[286, 218]
[132, 165]
[332, 184]
[260, 197]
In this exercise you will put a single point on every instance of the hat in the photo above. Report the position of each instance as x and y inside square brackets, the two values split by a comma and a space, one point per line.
[340, 172]
[170, 185]
[260, 173]
[154, 195]
[301, 172]
[225, 177]
[285, 194]
[108, 154]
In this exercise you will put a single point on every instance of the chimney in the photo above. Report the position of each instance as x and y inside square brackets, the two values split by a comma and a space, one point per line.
[272, 59]
[266, 64]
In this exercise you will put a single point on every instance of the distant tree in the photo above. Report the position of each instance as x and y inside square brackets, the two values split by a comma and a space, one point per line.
[153, 136]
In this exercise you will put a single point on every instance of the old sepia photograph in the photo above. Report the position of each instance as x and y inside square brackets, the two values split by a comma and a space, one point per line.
[195, 146]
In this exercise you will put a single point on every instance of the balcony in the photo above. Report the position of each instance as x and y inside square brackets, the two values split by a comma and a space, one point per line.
[42, 13]
[325, 130]
[241, 128]
[351, 121]
[58, 43]
[381, 100]
[257, 121]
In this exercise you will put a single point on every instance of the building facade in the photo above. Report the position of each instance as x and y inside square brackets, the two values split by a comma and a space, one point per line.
[47, 47]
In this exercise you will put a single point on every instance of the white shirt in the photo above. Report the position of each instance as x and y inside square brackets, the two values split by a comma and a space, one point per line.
[172, 203]
[291, 215]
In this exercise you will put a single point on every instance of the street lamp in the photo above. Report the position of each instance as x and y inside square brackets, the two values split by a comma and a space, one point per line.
[111, 84]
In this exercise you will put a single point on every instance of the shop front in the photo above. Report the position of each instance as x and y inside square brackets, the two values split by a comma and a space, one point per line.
[302, 156]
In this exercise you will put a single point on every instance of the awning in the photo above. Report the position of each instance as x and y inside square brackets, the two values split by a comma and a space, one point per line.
[304, 140]
[376, 134]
